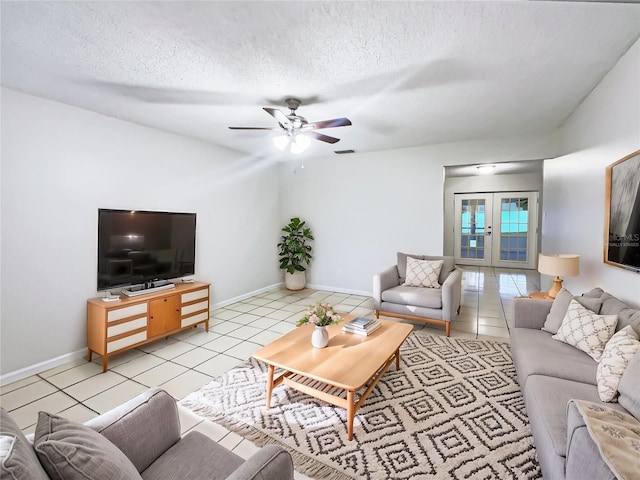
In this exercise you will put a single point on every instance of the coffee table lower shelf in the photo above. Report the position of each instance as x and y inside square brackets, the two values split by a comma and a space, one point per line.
[332, 394]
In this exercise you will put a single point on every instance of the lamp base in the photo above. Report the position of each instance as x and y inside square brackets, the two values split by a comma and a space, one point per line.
[557, 285]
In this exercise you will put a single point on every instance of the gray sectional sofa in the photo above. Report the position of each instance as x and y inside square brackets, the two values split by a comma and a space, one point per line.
[551, 373]
[139, 439]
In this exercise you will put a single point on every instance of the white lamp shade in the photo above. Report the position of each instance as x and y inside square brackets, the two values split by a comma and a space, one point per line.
[281, 141]
[299, 144]
[559, 265]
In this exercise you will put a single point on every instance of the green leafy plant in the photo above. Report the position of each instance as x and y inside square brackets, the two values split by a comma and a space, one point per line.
[320, 315]
[294, 252]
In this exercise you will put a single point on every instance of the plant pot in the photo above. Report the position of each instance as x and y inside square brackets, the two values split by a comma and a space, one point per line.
[295, 281]
[319, 337]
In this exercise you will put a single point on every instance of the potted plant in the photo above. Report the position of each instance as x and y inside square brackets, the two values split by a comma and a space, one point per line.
[295, 254]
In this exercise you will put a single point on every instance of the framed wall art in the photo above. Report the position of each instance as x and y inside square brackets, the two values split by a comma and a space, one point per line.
[622, 214]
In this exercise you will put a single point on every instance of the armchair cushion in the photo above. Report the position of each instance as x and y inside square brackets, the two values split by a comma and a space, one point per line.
[448, 265]
[195, 457]
[416, 296]
[70, 450]
[423, 273]
[18, 461]
[123, 424]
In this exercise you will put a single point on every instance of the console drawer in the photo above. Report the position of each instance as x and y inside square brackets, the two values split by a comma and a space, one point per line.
[197, 295]
[198, 317]
[195, 307]
[130, 311]
[126, 341]
[116, 330]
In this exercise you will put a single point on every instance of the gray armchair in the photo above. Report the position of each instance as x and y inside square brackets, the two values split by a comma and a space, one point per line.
[146, 430]
[433, 305]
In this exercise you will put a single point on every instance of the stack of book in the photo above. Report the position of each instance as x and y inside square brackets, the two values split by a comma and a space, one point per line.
[362, 326]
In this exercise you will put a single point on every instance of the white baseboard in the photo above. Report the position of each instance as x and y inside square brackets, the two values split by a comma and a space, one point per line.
[339, 290]
[41, 367]
[246, 295]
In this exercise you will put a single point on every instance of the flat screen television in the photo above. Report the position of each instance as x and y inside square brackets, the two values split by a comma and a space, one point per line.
[135, 246]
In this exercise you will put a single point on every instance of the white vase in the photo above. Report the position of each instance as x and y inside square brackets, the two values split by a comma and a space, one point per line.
[319, 337]
[295, 281]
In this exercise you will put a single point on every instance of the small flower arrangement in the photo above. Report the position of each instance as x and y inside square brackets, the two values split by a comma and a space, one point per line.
[320, 315]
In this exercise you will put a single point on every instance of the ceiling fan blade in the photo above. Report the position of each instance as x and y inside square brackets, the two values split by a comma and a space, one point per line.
[279, 116]
[336, 122]
[321, 137]
[250, 128]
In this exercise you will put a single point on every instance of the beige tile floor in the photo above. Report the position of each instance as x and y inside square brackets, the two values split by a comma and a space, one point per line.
[186, 361]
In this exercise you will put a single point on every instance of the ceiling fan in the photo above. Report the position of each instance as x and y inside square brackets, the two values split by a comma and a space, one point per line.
[296, 130]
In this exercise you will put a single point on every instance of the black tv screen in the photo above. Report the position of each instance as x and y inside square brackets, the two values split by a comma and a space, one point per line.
[138, 246]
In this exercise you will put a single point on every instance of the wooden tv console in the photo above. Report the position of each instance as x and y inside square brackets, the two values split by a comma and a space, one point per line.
[115, 327]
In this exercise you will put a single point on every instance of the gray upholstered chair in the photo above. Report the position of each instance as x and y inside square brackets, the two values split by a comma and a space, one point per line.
[138, 439]
[393, 298]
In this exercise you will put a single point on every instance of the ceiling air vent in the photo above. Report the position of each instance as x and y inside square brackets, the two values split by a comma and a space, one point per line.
[342, 152]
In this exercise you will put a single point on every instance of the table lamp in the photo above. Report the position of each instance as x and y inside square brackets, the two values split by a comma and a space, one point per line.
[558, 265]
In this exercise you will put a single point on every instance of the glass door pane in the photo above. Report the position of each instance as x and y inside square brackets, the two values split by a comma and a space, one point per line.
[473, 213]
[472, 228]
[514, 226]
[516, 219]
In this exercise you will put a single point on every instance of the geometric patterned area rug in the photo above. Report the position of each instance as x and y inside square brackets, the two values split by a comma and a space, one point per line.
[453, 411]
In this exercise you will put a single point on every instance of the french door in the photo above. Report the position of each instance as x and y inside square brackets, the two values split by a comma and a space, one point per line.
[496, 229]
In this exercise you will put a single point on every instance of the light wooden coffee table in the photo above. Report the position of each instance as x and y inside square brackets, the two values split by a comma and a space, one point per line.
[335, 373]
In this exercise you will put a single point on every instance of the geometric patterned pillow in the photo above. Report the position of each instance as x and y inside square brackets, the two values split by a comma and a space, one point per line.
[586, 330]
[423, 273]
[615, 358]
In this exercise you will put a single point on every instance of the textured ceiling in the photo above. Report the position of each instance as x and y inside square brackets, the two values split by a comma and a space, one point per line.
[405, 73]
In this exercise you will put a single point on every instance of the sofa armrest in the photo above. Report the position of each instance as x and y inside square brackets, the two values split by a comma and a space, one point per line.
[384, 281]
[530, 313]
[271, 462]
[143, 428]
[583, 458]
[451, 292]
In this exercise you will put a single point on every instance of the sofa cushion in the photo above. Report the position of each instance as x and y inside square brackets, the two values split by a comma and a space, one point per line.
[415, 296]
[559, 359]
[626, 315]
[69, 450]
[593, 293]
[615, 358]
[560, 306]
[546, 401]
[423, 273]
[629, 387]
[448, 265]
[194, 457]
[18, 461]
[586, 330]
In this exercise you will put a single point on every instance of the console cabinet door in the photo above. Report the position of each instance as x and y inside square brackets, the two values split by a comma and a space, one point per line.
[164, 315]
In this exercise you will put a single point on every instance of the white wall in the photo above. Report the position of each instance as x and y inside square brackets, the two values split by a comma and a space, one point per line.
[365, 207]
[60, 164]
[605, 128]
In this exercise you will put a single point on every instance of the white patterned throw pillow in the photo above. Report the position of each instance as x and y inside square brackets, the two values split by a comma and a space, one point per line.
[586, 330]
[615, 358]
[423, 273]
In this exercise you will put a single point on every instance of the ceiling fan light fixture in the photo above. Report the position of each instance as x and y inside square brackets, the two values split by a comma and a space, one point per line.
[281, 141]
[299, 144]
